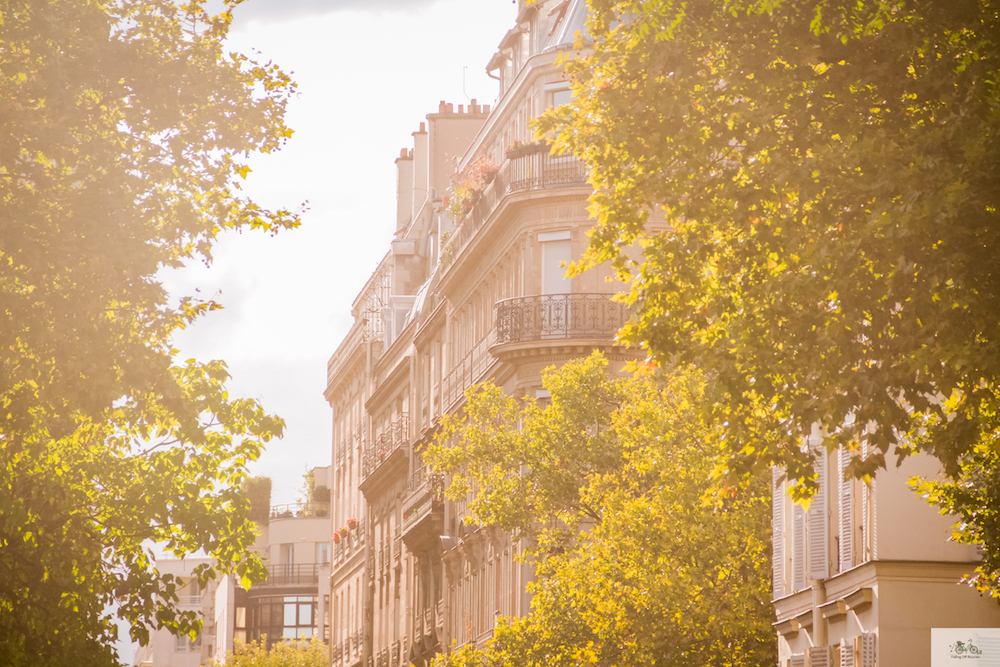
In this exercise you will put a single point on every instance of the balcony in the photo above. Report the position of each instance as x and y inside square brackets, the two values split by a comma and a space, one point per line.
[558, 317]
[291, 575]
[540, 171]
[423, 510]
[381, 450]
[300, 510]
[468, 371]
[386, 458]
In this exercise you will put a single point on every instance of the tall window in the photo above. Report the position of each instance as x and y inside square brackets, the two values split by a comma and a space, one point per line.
[556, 254]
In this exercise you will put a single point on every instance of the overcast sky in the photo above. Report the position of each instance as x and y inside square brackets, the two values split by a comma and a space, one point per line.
[368, 72]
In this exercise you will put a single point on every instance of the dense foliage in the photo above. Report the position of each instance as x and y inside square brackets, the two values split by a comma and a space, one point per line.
[607, 487]
[296, 653]
[829, 175]
[122, 129]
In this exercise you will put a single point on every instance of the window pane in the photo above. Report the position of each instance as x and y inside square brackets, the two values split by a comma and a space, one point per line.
[305, 614]
[289, 613]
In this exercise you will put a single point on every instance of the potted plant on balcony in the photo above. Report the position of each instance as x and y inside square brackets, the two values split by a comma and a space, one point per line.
[352, 524]
[458, 199]
[336, 538]
[483, 171]
[343, 531]
[515, 150]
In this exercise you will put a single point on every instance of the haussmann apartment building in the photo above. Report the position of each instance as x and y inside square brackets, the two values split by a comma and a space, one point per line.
[462, 296]
[474, 290]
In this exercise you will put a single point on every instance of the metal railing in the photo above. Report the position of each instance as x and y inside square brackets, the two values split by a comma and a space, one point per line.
[556, 316]
[468, 371]
[424, 490]
[396, 435]
[299, 510]
[292, 575]
[532, 172]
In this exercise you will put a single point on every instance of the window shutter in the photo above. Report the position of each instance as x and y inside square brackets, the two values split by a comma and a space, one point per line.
[866, 649]
[777, 533]
[867, 519]
[798, 660]
[846, 654]
[846, 512]
[819, 656]
[819, 537]
[798, 547]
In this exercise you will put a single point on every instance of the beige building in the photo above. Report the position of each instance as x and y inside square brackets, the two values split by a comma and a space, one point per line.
[472, 288]
[863, 576]
[291, 602]
[167, 650]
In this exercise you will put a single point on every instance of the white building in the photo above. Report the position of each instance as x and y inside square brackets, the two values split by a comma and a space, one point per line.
[290, 603]
[862, 577]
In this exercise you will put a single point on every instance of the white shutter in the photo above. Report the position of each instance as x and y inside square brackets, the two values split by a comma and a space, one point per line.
[798, 547]
[846, 654]
[798, 660]
[819, 656]
[777, 533]
[866, 649]
[873, 518]
[846, 511]
[819, 536]
[867, 524]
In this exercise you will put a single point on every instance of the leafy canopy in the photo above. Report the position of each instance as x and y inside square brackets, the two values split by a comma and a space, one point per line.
[295, 653]
[608, 487]
[829, 177]
[124, 128]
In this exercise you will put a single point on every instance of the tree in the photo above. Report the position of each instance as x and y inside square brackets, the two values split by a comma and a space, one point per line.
[607, 486]
[258, 493]
[123, 126]
[297, 653]
[829, 177]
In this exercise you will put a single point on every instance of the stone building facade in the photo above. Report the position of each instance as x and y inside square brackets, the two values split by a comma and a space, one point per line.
[473, 288]
[863, 576]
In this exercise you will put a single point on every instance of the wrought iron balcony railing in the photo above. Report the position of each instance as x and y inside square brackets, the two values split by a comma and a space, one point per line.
[292, 575]
[396, 435]
[300, 510]
[540, 171]
[558, 316]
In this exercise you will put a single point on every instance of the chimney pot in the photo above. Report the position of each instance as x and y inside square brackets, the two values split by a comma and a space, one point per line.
[460, 108]
[422, 127]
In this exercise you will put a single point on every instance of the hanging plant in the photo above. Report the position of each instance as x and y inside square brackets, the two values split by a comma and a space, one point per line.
[343, 531]
[352, 524]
